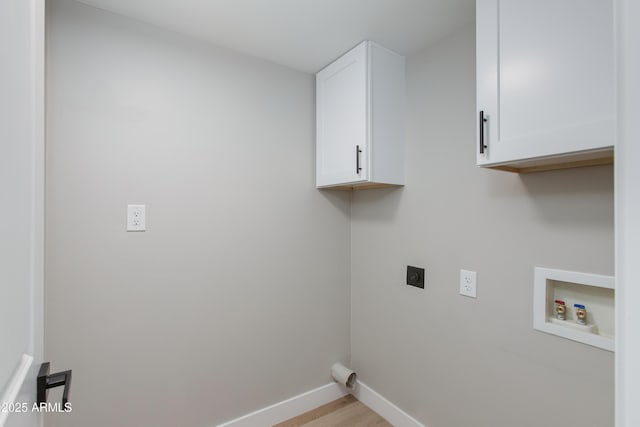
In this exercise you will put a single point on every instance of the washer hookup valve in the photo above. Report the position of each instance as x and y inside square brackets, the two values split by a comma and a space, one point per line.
[581, 314]
[561, 310]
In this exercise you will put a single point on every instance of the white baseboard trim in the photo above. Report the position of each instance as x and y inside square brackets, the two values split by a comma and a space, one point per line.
[15, 385]
[390, 412]
[289, 408]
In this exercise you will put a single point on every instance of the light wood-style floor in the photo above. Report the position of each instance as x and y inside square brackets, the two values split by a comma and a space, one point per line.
[344, 412]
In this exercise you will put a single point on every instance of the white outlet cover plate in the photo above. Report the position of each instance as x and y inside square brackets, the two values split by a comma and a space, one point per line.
[468, 283]
[136, 218]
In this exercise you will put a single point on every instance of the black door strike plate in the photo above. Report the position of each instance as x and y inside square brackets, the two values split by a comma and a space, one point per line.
[415, 276]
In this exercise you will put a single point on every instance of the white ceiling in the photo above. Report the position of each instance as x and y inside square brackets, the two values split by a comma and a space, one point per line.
[302, 34]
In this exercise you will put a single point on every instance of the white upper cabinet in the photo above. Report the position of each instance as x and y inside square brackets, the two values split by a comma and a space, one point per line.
[545, 83]
[360, 119]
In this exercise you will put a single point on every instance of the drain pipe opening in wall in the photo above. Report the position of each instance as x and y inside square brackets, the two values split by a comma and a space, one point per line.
[344, 376]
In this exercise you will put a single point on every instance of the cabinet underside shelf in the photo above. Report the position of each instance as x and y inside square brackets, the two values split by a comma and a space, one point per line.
[364, 186]
[579, 160]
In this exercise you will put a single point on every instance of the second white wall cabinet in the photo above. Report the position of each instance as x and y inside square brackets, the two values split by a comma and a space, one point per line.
[545, 84]
[360, 104]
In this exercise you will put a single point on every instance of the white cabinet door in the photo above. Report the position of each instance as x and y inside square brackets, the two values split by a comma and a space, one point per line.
[22, 42]
[342, 120]
[544, 78]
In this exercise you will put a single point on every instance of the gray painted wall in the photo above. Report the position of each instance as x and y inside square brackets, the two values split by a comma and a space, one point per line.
[452, 361]
[237, 295]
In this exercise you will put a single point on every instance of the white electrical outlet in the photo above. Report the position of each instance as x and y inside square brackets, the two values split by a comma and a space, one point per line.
[136, 220]
[468, 284]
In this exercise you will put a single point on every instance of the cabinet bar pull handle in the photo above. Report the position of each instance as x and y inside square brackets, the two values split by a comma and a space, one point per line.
[358, 151]
[483, 119]
[45, 381]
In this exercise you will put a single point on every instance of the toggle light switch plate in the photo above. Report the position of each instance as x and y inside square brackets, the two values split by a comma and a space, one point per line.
[136, 220]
